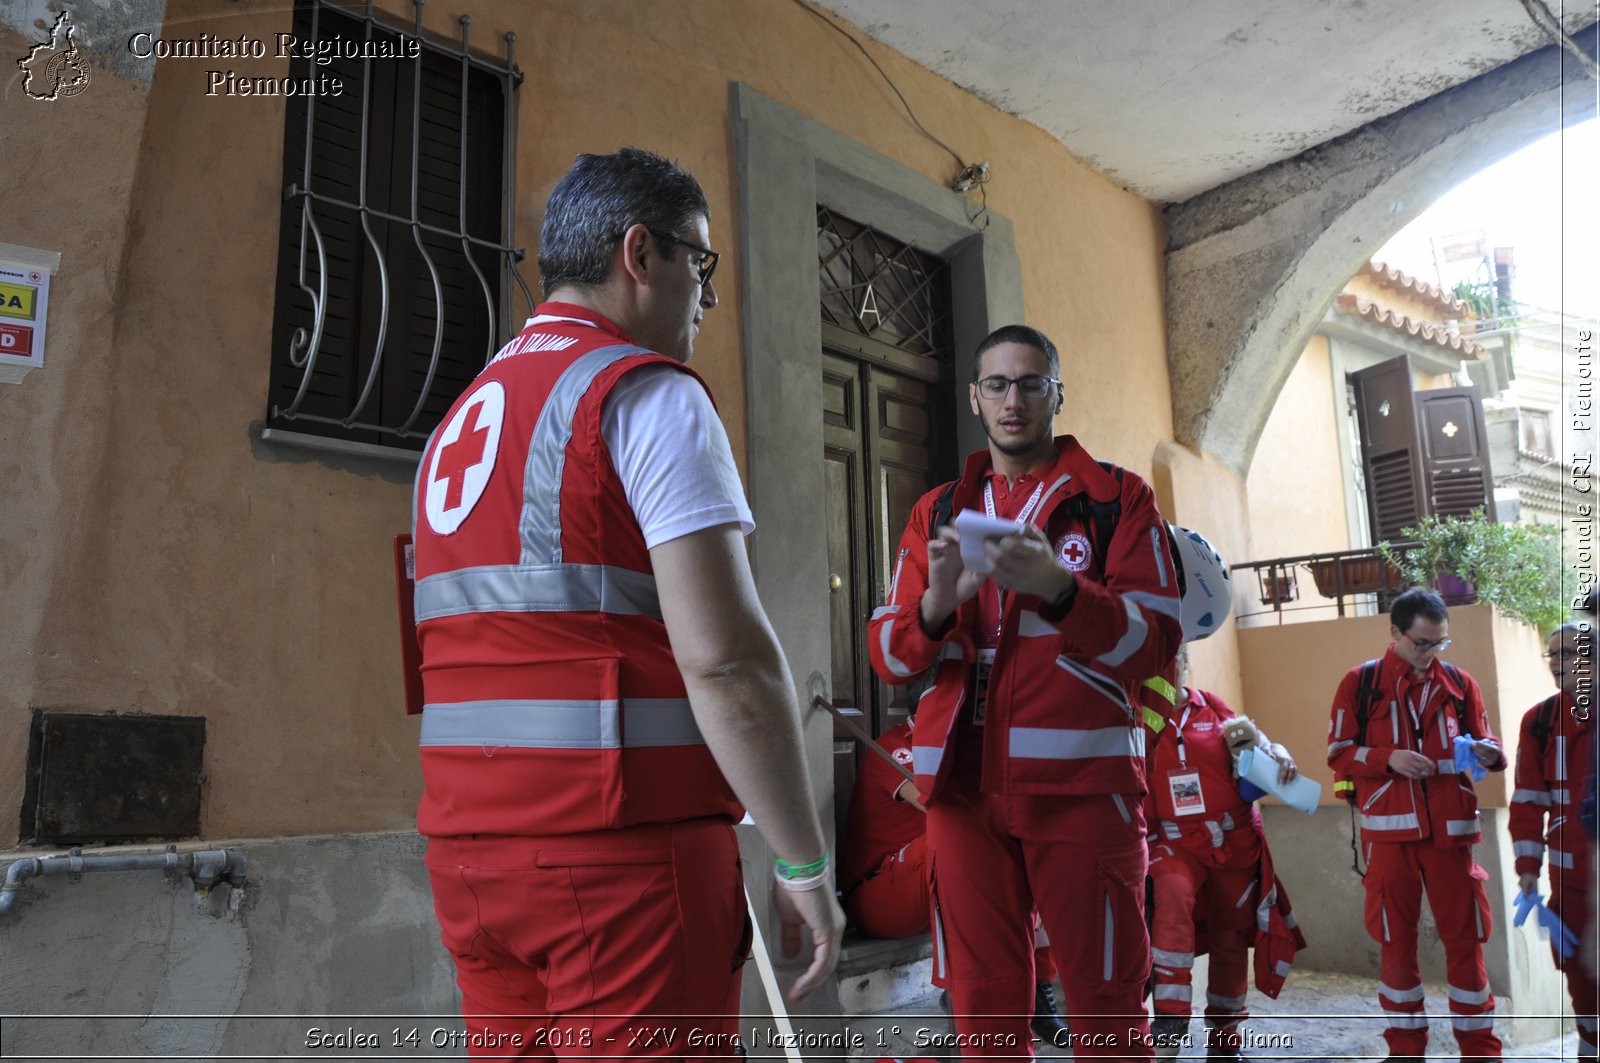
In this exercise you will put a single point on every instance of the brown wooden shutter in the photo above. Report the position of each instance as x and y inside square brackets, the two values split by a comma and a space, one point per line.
[1390, 453]
[1455, 452]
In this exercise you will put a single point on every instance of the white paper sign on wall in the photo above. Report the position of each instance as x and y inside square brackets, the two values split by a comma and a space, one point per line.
[25, 274]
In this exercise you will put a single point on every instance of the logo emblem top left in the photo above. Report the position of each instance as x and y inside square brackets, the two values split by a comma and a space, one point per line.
[463, 458]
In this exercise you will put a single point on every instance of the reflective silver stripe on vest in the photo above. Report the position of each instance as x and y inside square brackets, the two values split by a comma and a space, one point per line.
[1131, 640]
[890, 661]
[925, 760]
[1456, 828]
[1063, 743]
[1401, 996]
[1362, 753]
[1283, 968]
[1155, 551]
[1561, 859]
[1532, 849]
[539, 528]
[1531, 797]
[1561, 795]
[1165, 604]
[1405, 822]
[1561, 760]
[1030, 625]
[1468, 996]
[538, 589]
[1336, 746]
[885, 610]
[1448, 767]
[1172, 959]
[552, 724]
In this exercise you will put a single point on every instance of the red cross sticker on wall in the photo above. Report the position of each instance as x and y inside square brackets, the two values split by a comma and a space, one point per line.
[463, 458]
[1074, 551]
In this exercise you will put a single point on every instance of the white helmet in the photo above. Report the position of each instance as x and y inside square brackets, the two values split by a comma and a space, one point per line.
[1203, 578]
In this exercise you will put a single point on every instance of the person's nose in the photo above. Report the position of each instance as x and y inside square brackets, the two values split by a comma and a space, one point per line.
[708, 295]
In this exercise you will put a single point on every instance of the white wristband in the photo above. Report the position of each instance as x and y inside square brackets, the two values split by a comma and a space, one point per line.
[804, 885]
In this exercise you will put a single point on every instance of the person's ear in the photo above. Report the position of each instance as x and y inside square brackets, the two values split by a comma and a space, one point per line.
[972, 397]
[636, 250]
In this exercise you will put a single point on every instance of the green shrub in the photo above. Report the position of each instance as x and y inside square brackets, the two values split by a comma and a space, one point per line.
[1515, 567]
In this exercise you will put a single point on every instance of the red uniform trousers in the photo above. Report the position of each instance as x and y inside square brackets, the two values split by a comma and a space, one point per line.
[580, 946]
[1080, 862]
[1397, 872]
[896, 903]
[1222, 884]
[1572, 906]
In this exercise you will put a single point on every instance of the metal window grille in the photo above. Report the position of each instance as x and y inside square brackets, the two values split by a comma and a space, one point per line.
[396, 269]
[888, 291]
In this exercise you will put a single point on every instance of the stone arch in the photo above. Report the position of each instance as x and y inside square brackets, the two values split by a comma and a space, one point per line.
[1254, 264]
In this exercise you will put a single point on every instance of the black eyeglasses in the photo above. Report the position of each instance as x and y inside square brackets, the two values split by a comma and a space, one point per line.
[1032, 386]
[708, 257]
[1423, 646]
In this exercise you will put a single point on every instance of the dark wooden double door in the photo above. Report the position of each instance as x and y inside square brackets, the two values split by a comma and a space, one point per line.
[887, 439]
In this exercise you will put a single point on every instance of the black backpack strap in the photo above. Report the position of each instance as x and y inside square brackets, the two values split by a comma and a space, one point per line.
[1367, 694]
[1106, 514]
[942, 508]
[1544, 721]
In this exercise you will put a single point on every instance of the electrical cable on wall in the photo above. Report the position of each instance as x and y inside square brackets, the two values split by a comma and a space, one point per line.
[970, 175]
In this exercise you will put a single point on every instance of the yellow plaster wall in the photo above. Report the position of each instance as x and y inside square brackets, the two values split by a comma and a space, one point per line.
[1295, 486]
[177, 566]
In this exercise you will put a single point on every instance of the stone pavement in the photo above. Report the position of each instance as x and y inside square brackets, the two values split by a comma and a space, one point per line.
[1320, 1017]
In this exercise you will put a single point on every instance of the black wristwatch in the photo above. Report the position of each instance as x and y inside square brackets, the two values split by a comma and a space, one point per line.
[1056, 610]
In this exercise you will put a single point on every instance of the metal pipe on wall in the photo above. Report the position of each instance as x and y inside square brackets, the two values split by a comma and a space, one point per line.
[205, 867]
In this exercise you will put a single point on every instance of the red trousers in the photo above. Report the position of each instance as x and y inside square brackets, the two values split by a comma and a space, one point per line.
[1078, 861]
[1572, 905]
[895, 903]
[607, 944]
[1397, 873]
[1220, 885]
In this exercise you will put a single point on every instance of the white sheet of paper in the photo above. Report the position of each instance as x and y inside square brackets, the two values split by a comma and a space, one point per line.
[1303, 793]
[974, 527]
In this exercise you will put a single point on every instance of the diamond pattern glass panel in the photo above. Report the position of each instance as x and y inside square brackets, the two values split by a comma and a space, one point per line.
[882, 288]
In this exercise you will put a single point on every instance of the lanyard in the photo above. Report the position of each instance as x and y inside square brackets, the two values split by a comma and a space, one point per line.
[1027, 511]
[1416, 711]
[1183, 756]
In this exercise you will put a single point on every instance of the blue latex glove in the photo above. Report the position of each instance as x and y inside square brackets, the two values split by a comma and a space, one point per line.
[1525, 902]
[1250, 791]
[1466, 759]
[1561, 936]
[1564, 940]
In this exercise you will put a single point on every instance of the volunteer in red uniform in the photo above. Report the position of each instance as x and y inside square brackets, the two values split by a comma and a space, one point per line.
[1206, 858]
[603, 690]
[883, 867]
[1419, 822]
[1554, 759]
[1028, 750]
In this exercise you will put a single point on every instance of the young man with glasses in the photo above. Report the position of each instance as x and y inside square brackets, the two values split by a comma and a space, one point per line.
[1395, 738]
[1554, 760]
[605, 695]
[1028, 751]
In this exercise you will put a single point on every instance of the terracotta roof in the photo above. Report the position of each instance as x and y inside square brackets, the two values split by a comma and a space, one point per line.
[1356, 306]
[1399, 281]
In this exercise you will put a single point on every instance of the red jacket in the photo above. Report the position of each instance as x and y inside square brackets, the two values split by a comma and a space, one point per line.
[1442, 806]
[553, 704]
[1220, 808]
[1278, 936]
[1550, 775]
[1061, 716]
[879, 823]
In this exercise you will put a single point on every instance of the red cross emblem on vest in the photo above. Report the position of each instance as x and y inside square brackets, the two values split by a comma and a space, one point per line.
[463, 458]
[1074, 552]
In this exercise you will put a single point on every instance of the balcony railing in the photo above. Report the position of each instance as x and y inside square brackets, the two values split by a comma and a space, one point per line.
[1342, 579]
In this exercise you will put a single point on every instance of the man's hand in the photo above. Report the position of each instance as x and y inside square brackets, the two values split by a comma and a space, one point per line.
[907, 792]
[1024, 561]
[1528, 882]
[949, 582]
[1410, 765]
[818, 909]
[1487, 752]
[1287, 771]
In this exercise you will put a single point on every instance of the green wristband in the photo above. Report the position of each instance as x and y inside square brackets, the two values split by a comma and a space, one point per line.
[790, 871]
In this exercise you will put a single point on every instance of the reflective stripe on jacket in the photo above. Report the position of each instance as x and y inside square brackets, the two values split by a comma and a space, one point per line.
[1549, 781]
[1443, 806]
[1061, 715]
[553, 703]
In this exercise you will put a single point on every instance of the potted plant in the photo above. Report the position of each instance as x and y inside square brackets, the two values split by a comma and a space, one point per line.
[1515, 567]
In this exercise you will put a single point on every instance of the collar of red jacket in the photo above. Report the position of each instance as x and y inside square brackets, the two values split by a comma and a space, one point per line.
[1396, 669]
[582, 313]
[1084, 473]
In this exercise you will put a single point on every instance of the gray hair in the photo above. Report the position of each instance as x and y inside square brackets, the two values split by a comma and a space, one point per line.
[596, 201]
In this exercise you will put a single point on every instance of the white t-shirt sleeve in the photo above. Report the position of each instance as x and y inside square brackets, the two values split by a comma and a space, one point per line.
[672, 455]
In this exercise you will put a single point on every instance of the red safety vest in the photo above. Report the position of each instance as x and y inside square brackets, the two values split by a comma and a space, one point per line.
[1061, 715]
[553, 702]
[1553, 760]
[1442, 806]
[1192, 767]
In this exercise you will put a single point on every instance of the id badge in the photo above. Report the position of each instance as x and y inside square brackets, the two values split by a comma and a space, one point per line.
[980, 699]
[1187, 799]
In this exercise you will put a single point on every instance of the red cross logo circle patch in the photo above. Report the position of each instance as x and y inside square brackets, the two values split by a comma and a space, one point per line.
[463, 458]
[902, 756]
[1450, 728]
[1073, 550]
